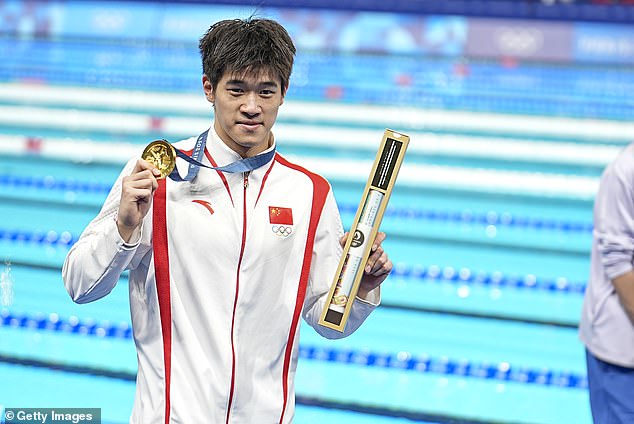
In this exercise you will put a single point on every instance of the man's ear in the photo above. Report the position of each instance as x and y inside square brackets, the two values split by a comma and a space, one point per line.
[284, 95]
[208, 89]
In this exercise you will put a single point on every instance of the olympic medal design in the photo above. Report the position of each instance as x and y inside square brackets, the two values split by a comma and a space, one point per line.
[162, 155]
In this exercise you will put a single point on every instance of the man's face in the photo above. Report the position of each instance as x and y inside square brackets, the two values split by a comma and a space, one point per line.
[245, 110]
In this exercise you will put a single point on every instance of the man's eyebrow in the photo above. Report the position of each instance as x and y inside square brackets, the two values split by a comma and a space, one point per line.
[263, 83]
[269, 83]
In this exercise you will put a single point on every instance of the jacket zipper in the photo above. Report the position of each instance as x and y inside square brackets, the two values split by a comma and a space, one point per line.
[245, 184]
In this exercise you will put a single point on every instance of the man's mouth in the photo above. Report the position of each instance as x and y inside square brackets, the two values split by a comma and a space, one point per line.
[250, 125]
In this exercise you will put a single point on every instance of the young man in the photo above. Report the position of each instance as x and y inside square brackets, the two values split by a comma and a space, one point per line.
[223, 266]
[607, 320]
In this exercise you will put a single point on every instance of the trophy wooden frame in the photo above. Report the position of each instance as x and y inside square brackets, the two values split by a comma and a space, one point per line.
[363, 230]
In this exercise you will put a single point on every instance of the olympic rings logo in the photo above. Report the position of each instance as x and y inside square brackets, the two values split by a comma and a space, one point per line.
[282, 231]
[521, 41]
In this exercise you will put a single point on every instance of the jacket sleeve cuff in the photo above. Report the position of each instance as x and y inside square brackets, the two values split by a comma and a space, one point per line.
[617, 270]
[135, 239]
[373, 299]
[123, 252]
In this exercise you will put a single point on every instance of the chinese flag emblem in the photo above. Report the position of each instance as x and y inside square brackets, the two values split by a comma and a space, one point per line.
[280, 216]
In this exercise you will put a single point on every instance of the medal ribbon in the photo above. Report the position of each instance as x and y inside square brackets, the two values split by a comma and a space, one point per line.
[242, 165]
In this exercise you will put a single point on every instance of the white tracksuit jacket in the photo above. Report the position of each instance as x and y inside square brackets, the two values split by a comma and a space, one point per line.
[217, 286]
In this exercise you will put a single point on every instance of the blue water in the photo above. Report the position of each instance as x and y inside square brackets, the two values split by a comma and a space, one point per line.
[413, 241]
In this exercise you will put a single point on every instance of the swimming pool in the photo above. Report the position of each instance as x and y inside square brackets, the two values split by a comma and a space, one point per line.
[478, 321]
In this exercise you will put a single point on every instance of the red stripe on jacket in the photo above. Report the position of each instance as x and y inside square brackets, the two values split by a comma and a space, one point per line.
[320, 192]
[162, 276]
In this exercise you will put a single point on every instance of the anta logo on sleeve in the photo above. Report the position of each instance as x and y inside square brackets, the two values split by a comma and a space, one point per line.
[281, 220]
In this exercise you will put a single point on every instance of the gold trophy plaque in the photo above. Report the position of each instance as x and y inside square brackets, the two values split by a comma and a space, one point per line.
[162, 155]
[363, 231]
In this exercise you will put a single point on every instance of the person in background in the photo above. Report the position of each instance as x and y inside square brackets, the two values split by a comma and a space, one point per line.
[222, 266]
[607, 321]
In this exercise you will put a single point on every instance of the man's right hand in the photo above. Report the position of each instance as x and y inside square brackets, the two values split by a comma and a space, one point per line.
[137, 190]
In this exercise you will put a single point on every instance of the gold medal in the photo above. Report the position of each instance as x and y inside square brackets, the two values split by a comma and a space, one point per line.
[162, 155]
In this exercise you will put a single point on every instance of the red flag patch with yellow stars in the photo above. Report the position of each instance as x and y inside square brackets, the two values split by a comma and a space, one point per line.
[280, 216]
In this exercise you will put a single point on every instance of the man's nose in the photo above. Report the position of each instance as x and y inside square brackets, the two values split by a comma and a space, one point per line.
[251, 105]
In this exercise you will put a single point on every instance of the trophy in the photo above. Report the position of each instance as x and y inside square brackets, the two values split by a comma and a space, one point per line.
[363, 231]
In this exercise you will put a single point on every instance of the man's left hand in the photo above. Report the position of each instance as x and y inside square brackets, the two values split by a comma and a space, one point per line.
[377, 268]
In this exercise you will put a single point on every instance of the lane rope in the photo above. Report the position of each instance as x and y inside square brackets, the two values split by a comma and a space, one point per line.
[495, 279]
[494, 218]
[435, 273]
[422, 363]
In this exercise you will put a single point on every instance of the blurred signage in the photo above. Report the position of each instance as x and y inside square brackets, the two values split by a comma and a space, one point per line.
[188, 22]
[108, 20]
[367, 32]
[29, 18]
[493, 38]
[328, 30]
[604, 43]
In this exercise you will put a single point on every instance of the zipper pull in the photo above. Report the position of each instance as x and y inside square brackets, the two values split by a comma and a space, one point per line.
[246, 179]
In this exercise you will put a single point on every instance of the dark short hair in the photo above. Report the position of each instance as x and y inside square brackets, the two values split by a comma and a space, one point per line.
[247, 46]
